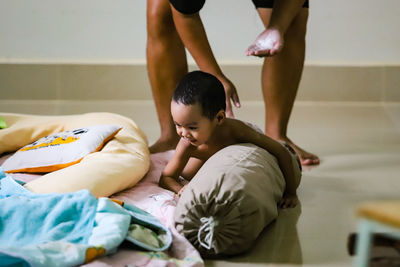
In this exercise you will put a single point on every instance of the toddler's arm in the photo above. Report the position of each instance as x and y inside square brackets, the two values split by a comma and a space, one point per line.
[246, 134]
[174, 168]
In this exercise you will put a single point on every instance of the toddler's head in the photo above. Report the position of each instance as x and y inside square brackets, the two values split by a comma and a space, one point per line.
[197, 106]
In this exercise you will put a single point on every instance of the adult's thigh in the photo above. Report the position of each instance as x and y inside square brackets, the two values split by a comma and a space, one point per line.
[159, 18]
[265, 15]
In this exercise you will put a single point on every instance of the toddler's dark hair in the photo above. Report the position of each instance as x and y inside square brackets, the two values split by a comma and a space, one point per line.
[203, 88]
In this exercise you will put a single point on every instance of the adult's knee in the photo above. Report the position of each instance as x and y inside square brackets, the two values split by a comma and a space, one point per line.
[159, 20]
[298, 28]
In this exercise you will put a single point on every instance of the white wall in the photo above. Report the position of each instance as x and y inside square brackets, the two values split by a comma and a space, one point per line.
[113, 31]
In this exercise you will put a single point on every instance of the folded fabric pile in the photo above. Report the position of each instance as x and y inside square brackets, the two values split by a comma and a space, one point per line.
[68, 229]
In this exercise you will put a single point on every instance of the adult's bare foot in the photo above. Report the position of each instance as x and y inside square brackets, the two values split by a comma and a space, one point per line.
[164, 144]
[306, 158]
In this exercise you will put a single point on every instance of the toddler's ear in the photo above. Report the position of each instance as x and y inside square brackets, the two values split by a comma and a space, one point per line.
[220, 116]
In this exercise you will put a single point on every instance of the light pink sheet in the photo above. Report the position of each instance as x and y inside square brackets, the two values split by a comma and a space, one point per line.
[148, 196]
[25, 177]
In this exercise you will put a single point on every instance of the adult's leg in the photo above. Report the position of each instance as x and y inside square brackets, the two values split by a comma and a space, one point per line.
[166, 65]
[280, 80]
[191, 30]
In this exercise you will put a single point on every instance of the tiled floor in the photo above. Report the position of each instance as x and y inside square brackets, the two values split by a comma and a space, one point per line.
[359, 145]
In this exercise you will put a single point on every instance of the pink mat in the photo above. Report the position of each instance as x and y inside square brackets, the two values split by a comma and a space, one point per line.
[161, 203]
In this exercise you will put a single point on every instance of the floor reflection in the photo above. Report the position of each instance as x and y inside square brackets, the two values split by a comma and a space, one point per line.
[278, 243]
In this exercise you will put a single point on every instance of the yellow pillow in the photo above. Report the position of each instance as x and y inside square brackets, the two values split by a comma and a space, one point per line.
[120, 164]
[60, 150]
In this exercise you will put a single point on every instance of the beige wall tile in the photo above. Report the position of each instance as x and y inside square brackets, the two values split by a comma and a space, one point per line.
[103, 82]
[130, 82]
[28, 81]
[341, 83]
[391, 84]
[38, 107]
[247, 79]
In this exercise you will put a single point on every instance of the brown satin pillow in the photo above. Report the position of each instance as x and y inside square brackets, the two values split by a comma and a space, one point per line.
[231, 199]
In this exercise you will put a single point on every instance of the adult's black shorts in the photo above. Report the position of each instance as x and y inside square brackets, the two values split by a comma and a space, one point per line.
[194, 6]
[188, 6]
[270, 3]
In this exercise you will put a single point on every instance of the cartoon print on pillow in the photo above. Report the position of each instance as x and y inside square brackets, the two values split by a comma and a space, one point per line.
[60, 150]
[56, 139]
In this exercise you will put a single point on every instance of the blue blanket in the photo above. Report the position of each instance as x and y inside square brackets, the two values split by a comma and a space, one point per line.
[28, 218]
[65, 229]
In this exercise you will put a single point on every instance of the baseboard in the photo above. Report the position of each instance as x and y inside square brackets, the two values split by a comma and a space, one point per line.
[130, 82]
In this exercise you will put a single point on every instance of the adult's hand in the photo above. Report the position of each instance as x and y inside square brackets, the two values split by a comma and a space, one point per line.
[231, 95]
[268, 43]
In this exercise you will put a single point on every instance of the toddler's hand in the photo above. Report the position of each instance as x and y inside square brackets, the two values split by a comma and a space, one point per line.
[288, 201]
[268, 43]
[181, 191]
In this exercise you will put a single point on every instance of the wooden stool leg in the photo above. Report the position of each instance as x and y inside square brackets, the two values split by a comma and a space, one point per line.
[363, 246]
